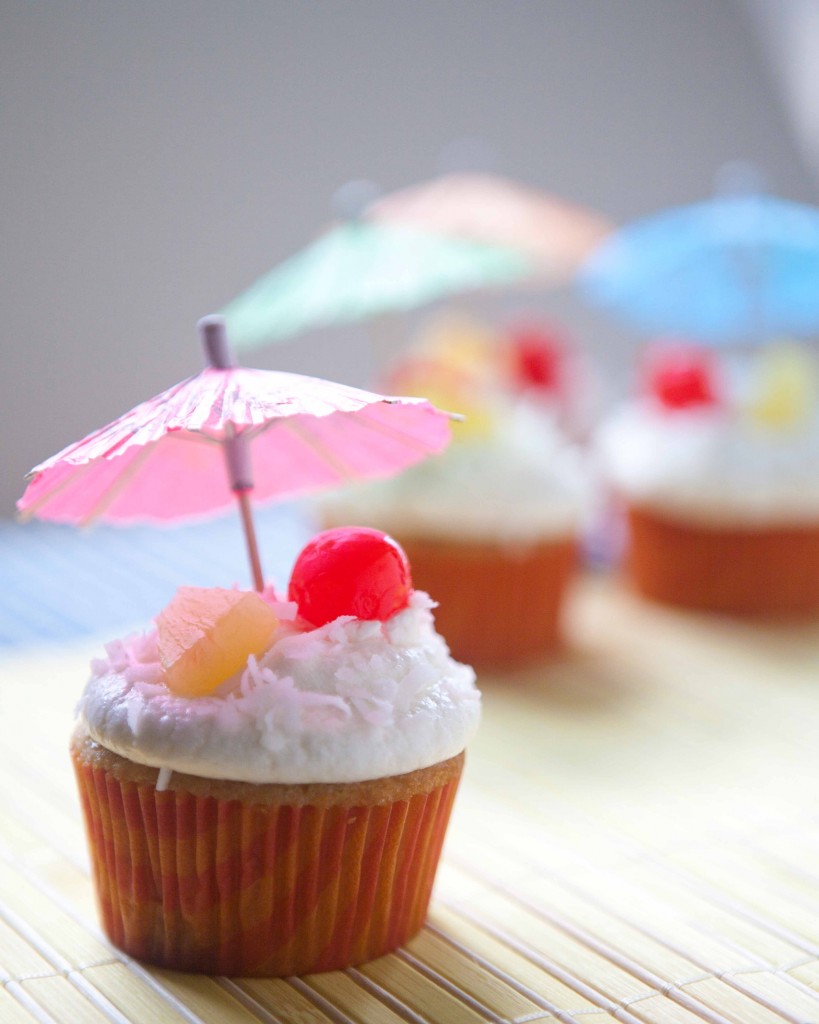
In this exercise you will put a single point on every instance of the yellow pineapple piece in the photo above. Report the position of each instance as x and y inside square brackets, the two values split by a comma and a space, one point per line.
[479, 421]
[206, 635]
[461, 343]
[786, 390]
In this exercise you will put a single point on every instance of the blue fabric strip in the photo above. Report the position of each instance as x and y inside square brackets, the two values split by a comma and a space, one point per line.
[58, 583]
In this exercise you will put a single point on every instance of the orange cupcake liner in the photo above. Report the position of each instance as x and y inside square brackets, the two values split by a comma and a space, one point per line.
[203, 883]
[497, 605]
[764, 571]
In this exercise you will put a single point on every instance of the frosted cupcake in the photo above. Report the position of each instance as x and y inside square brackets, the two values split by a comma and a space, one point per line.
[719, 476]
[491, 526]
[266, 784]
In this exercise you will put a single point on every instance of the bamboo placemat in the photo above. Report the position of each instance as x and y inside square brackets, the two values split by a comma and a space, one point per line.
[636, 839]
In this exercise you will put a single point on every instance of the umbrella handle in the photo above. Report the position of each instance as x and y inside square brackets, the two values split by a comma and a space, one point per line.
[250, 540]
[220, 356]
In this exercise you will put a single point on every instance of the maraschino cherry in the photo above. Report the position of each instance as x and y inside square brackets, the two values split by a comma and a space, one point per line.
[350, 570]
[681, 376]
[536, 359]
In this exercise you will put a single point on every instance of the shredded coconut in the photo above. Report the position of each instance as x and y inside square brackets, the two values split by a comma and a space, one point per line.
[347, 701]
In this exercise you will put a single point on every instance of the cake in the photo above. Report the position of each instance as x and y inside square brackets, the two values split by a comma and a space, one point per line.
[492, 525]
[716, 464]
[266, 781]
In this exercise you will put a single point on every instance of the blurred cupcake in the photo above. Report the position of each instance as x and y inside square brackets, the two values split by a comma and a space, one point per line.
[718, 470]
[492, 525]
[266, 783]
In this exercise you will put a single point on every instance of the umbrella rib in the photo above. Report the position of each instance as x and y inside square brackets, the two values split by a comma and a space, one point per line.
[397, 435]
[321, 450]
[252, 432]
[359, 417]
[27, 514]
[116, 488]
[194, 434]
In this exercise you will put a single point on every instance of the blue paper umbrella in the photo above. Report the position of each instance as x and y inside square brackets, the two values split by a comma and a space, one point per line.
[736, 269]
[360, 269]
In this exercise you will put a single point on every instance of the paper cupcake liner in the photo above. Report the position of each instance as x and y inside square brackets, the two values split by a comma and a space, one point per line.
[217, 885]
[497, 605]
[765, 571]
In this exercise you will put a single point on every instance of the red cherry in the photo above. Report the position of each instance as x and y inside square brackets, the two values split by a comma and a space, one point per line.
[536, 359]
[682, 377]
[351, 570]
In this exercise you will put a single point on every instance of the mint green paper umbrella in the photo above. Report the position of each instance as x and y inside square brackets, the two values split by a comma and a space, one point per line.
[359, 270]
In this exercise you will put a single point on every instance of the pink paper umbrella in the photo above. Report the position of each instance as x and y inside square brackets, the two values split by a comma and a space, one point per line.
[166, 459]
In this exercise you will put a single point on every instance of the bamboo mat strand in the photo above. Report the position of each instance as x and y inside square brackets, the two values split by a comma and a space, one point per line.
[556, 898]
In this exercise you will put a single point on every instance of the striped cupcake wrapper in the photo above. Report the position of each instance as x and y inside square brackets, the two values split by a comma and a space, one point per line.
[227, 886]
[755, 570]
[498, 605]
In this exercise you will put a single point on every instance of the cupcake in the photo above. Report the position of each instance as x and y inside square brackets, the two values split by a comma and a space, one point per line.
[492, 525]
[266, 783]
[716, 464]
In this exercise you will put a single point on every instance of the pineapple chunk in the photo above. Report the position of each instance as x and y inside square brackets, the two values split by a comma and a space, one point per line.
[207, 634]
[786, 392]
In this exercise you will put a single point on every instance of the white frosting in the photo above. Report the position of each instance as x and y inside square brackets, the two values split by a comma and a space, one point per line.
[349, 701]
[712, 464]
[524, 482]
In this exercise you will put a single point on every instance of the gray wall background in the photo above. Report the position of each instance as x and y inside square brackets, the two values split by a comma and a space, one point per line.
[158, 155]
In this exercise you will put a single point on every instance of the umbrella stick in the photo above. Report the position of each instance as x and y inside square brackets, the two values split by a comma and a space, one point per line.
[237, 453]
[242, 496]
